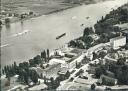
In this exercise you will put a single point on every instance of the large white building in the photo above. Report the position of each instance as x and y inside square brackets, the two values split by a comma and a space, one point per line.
[118, 42]
[65, 62]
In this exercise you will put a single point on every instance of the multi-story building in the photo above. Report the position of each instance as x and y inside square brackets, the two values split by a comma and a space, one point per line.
[118, 42]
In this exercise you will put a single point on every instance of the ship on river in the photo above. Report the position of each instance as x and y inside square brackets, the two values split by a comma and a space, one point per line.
[58, 37]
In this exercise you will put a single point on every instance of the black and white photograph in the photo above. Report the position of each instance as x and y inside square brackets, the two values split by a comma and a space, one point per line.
[64, 45]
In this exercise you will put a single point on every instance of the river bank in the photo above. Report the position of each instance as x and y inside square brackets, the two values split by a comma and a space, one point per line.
[14, 20]
[38, 13]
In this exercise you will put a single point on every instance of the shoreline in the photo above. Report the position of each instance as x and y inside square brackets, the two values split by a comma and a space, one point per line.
[53, 12]
[30, 17]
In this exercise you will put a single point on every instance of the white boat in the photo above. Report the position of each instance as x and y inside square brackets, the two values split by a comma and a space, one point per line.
[18, 34]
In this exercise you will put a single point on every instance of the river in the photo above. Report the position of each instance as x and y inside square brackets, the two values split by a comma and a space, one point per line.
[23, 40]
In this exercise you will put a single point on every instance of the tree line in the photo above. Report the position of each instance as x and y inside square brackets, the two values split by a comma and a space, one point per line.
[23, 69]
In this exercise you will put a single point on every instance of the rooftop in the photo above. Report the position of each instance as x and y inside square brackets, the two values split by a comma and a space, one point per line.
[55, 61]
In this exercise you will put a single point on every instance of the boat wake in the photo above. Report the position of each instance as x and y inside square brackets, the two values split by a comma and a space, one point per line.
[74, 17]
[4, 45]
[19, 34]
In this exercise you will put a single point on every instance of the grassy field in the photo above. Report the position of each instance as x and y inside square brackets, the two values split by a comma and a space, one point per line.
[41, 6]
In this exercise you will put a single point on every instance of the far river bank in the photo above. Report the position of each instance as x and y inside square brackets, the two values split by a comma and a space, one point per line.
[65, 7]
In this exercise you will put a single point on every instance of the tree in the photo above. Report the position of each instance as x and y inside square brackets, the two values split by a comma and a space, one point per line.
[43, 55]
[34, 76]
[87, 31]
[21, 74]
[94, 55]
[22, 16]
[31, 62]
[47, 53]
[103, 38]
[3, 72]
[67, 74]
[26, 77]
[37, 59]
[102, 54]
[125, 75]
[52, 80]
[41, 75]
[42, 66]
[88, 39]
[93, 87]
[5, 69]
[0, 22]
[123, 15]
[57, 81]
[122, 75]
[7, 20]
[45, 81]
[72, 43]
[15, 65]
[99, 71]
[120, 61]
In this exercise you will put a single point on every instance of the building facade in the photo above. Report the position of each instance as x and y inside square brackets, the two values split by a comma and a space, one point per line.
[118, 42]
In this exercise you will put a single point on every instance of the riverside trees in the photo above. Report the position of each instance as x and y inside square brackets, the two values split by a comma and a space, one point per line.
[105, 25]
[23, 69]
[83, 41]
[45, 55]
[24, 73]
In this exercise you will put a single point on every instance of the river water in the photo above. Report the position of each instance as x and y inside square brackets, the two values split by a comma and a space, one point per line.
[23, 40]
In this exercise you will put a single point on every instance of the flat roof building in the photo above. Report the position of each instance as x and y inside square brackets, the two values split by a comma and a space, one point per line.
[117, 42]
